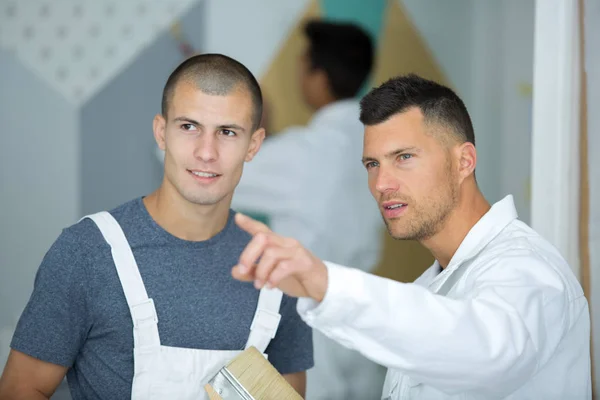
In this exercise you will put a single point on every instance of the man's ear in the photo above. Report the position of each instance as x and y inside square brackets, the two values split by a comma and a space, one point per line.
[322, 77]
[256, 141]
[467, 160]
[159, 127]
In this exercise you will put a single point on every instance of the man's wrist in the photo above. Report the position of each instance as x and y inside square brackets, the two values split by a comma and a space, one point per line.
[320, 282]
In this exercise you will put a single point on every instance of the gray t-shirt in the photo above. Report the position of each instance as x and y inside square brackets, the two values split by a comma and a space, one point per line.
[78, 317]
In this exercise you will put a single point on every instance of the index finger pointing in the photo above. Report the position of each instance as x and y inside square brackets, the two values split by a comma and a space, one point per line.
[251, 253]
[250, 225]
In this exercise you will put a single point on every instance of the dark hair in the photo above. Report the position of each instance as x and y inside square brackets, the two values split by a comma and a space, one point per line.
[438, 103]
[343, 51]
[215, 74]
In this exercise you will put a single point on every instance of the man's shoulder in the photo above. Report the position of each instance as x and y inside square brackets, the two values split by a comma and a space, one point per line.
[130, 209]
[519, 240]
[85, 234]
[519, 252]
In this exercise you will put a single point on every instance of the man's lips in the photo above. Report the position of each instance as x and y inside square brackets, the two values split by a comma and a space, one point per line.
[203, 175]
[393, 209]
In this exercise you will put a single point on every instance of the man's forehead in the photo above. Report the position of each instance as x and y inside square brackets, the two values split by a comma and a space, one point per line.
[187, 88]
[393, 135]
[191, 97]
[394, 132]
[210, 109]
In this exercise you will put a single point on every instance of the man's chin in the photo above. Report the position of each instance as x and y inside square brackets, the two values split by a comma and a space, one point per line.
[398, 233]
[204, 200]
[401, 236]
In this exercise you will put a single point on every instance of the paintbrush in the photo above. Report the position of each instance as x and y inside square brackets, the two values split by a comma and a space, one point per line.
[250, 376]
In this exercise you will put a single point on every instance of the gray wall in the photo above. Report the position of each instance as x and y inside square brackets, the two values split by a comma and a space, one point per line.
[517, 67]
[446, 26]
[39, 176]
[117, 143]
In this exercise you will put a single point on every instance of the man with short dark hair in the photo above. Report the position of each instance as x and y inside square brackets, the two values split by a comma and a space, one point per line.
[499, 315]
[306, 183]
[139, 302]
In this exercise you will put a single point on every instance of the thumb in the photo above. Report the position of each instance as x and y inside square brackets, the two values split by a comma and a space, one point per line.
[250, 225]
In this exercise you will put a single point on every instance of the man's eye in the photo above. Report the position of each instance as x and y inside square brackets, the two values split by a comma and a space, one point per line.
[403, 157]
[188, 127]
[371, 164]
[227, 132]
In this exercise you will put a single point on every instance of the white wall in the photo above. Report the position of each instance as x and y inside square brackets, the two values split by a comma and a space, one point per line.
[484, 90]
[446, 27]
[39, 176]
[516, 119]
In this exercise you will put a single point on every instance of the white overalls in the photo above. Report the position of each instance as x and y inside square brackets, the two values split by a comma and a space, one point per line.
[163, 372]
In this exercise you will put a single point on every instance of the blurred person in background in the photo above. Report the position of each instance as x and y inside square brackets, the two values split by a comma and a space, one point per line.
[308, 183]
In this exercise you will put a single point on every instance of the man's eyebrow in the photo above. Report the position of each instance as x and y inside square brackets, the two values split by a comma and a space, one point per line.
[367, 159]
[186, 119]
[393, 153]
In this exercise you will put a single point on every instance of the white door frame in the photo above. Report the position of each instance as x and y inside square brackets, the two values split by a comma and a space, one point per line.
[555, 136]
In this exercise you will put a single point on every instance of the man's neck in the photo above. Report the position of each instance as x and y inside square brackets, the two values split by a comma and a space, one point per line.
[324, 102]
[472, 206]
[183, 219]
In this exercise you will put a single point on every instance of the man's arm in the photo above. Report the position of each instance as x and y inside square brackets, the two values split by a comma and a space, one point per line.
[298, 382]
[26, 377]
[54, 324]
[494, 340]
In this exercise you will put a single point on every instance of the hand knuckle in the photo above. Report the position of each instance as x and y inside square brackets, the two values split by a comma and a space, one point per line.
[269, 253]
[284, 265]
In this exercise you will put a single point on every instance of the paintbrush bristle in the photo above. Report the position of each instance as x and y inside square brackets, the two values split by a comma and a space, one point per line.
[260, 378]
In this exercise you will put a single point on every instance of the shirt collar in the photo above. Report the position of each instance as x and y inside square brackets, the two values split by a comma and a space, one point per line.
[500, 215]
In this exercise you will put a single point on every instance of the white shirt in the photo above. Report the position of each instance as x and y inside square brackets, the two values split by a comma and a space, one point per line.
[515, 325]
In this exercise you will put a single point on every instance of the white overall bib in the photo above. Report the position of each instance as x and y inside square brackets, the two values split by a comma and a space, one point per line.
[163, 372]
